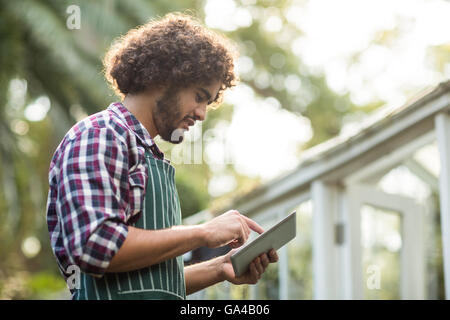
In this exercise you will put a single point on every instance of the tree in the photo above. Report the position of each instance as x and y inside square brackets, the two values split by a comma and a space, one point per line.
[42, 58]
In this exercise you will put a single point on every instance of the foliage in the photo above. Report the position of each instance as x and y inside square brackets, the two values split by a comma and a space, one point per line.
[41, 57]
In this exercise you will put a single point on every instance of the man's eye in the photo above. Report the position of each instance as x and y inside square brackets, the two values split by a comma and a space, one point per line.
[198, 98]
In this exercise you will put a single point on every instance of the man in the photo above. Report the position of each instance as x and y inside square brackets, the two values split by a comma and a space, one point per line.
[113, 208]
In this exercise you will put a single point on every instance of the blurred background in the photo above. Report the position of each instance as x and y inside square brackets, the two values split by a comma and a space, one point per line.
[310, 70]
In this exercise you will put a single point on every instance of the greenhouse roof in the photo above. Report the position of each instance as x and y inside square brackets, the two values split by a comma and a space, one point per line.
[384, 132]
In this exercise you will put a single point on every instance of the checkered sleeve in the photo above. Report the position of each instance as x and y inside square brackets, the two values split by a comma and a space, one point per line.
[92, 198]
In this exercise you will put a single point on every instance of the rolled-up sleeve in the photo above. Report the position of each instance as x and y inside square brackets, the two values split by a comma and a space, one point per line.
[92, 198]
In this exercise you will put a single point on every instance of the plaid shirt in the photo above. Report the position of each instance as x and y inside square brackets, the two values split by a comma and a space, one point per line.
[97, 183]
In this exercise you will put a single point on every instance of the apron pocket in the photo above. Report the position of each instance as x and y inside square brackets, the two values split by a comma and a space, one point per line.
[136, 193]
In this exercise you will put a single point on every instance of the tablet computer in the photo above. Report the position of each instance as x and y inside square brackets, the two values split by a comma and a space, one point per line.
[273, 238]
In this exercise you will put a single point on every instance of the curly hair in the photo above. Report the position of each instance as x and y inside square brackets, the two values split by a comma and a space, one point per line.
[174, 51]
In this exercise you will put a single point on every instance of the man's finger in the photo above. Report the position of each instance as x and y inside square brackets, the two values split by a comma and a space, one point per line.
[264, 260]
[273, 255]
[245, 232]
[235, 244]
[259, 266]
[249, 231]
[254, 273]
[253, 225]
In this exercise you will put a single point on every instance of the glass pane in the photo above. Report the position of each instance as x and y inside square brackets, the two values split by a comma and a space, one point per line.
[428, 157]
[220, 291]
[382, 243]
[300, 255]
[402, 181]
[241, 292]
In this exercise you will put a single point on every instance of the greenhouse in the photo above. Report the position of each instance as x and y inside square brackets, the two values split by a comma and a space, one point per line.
[373, 221]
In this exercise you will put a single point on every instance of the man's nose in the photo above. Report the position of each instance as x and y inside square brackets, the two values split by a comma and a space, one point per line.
[200, 112]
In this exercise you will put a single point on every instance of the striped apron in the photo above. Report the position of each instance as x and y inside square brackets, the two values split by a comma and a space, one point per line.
[165, 280]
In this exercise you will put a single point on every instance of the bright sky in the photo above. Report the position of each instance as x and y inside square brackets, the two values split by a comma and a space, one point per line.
[337, 29]
[263, 136]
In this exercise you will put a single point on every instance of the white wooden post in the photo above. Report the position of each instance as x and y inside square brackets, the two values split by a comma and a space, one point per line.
[442, 122]
[253, 294]
[352, 276]
[412, 275]
[283, 265]
[283, 274]
[324, 251]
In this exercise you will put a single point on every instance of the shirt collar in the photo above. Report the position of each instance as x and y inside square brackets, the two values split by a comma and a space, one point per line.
[138, 129]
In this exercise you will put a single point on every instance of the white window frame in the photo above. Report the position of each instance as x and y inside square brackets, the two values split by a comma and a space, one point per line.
[412, 264]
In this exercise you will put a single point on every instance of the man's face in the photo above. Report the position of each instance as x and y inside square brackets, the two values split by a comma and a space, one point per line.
[176, 110]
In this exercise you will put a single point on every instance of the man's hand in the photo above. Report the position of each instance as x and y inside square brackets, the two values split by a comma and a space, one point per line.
[257, 268]
[230, 228]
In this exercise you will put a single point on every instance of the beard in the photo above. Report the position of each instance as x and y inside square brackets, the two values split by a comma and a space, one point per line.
[167, 116]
